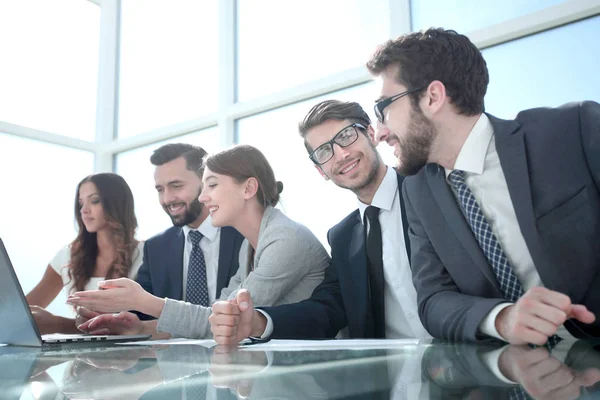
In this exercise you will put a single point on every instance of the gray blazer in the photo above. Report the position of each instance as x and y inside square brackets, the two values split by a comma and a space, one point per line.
[289, 263]
[551, 160]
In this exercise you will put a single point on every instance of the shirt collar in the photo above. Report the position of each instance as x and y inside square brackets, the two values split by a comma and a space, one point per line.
[385, 194]
[206, 228]
[472, 154]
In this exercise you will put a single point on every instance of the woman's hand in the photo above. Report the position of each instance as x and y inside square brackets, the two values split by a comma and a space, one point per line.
[45, 320]
[115, 295]
[124, 323]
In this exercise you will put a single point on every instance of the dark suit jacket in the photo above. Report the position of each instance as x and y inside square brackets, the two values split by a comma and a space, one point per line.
[161, 272]
[342, 299]
[551, 161]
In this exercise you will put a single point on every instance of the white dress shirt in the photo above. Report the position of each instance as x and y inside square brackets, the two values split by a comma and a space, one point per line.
[399, 294]
[485, 178]
[209, 244]
[400, 297]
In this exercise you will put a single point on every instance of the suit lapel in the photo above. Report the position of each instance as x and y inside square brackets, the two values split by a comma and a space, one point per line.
[510, 145]
[225, 257]
[357, 262]
[174, 260]
[454, 217]
[404, 219]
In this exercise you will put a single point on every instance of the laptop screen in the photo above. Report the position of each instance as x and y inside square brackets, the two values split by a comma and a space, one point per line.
[18, 326]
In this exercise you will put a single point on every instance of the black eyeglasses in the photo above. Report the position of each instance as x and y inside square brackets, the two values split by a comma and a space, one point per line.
[382, 104]
[343, 138]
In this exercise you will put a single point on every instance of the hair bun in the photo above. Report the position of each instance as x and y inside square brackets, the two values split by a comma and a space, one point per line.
[279, 185]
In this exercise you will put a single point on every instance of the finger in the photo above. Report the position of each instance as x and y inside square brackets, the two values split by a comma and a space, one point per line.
[561, 378]
[86, 312]
[545, 367]
[225, 307]
[225, 340]
[528, 335]
[550, 297]
[581, 313]
[554, 315]
[244, 300]
[114, 283]
[589, 377]
[541, 325]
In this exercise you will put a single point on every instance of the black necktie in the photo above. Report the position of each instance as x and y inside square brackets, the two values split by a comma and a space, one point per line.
[375, 264]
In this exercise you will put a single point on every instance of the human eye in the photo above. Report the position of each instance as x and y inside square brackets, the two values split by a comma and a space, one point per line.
[323, 152]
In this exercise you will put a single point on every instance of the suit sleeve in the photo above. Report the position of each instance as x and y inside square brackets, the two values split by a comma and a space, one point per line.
[445, 312]
[589, 117]
[319, 317]
[143, 278]
[143, 275]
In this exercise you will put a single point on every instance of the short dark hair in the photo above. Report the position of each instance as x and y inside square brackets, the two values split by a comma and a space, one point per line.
[242, 162]
[437, 54]
[332, 109]
[193, 155]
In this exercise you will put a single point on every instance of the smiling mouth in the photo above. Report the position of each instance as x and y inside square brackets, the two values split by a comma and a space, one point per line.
[349, 168]
[213, 209]
[176, 208]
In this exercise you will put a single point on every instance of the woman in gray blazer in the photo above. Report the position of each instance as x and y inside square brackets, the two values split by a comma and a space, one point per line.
[281, 261]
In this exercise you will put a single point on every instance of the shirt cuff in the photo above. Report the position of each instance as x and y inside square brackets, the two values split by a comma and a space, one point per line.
[269, 328]
[488, 324]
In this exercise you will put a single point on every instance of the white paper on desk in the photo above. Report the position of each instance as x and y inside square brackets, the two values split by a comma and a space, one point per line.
[195, 342]
[334, 344]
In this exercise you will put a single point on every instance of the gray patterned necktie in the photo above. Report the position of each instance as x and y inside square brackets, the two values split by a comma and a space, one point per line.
[509, 283]
[196, 288]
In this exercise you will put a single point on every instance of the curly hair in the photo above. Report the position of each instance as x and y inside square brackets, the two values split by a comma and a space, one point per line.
[117, 201]
[436, 54]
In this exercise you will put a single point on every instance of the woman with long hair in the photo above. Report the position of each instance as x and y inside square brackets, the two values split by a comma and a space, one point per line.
[281, 261]
[105, 247]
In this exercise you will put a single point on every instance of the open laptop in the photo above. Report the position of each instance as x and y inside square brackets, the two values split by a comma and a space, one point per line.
[18, 327]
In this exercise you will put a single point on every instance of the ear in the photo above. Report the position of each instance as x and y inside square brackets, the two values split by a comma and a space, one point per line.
[250, 188]
[323, 174]
[371, 134]
[434, 99]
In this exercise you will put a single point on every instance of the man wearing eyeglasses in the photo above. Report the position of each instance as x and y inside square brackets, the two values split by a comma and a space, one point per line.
[368, 287]
[504, 215]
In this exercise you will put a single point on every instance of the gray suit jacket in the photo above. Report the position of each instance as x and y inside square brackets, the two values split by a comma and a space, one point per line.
[551, 160]
[289, 263]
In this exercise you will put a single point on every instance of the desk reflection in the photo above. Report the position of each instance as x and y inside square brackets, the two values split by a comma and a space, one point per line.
[436, 371]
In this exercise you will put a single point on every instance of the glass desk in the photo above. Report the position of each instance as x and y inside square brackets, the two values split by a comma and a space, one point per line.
[427, 371]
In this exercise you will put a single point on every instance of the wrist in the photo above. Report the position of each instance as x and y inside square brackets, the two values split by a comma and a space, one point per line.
[500, 321]
[259, 324]
[152, 305]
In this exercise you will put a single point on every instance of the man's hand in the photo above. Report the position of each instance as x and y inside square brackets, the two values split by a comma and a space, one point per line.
[120, 295]
[543, 376]
[234, 320]
[124, 323]
[537, 315]
[45, 320]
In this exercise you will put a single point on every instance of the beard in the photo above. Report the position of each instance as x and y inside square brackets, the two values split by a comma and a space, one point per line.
[415, 146]
[192, 211]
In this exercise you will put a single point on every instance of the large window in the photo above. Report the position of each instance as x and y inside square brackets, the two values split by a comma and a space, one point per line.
[468, 15]
[169, 63]
[306, 197]
[49, 67]
[547, 69]
[282, 44]
[135, 167]
[37, 205]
